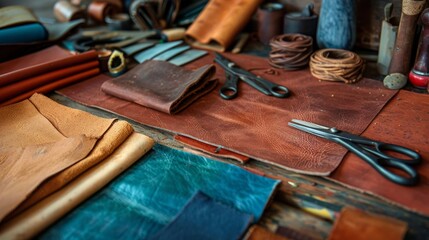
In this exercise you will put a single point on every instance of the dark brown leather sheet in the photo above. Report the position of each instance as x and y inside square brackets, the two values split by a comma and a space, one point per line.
[404, 121]
[254, 124]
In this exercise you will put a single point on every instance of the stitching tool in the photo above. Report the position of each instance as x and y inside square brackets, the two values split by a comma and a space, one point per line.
[373, 152]
[234, 73]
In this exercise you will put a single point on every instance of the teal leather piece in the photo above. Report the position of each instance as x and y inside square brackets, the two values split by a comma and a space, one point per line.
[147, 197]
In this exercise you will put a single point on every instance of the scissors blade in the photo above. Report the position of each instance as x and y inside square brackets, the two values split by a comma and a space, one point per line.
[315, 129]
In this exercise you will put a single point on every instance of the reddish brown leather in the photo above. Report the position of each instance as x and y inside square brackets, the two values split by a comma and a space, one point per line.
[44, 61]
[99, 10]
[162, 86]
[404, 121]
[210, 149]
[54, 85]
[14, 89]
[254, 124]
[355, 224]
[259, 233]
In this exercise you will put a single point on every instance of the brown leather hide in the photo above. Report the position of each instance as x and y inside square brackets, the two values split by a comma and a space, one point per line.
[254, 124]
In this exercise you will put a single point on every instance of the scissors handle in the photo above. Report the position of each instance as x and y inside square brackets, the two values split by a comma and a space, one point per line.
[265, 86]
[229, 90]
[382, 162]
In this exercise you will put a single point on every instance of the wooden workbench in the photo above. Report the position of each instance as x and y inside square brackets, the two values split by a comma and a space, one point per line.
[305, 205]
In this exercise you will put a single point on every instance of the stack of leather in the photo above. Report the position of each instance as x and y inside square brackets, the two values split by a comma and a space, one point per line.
[43, 72]
[53, 158]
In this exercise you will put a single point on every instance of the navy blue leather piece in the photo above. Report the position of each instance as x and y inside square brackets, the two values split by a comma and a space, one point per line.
[205, 218]
[148, 196]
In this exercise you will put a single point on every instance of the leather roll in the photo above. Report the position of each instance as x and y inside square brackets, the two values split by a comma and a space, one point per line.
[64, 11]
[98, 10]
[270, 21]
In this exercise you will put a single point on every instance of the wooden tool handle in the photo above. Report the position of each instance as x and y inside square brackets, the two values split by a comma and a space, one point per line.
[404, 41]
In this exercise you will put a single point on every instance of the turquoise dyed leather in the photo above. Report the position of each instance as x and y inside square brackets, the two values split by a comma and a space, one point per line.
[148, 196]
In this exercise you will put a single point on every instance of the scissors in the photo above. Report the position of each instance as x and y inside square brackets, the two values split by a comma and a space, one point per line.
[373, 152]
[233, 73]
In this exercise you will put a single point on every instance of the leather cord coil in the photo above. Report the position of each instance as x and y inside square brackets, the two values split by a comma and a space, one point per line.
[290, 51]
[336, 65]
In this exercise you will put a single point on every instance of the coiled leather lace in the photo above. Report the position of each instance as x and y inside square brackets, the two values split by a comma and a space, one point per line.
[336, 65]
[290, 51]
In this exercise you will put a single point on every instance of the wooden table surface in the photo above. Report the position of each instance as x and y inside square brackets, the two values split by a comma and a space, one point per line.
[306, 205]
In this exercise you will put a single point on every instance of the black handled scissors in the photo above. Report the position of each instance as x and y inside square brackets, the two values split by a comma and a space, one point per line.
[373, 152]
[233, 73]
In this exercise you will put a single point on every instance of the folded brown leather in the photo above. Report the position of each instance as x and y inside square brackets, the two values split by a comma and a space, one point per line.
[360, 225]
[23, 86]
[219, 24]
[43, 141]
[162, 86]
[44, 61]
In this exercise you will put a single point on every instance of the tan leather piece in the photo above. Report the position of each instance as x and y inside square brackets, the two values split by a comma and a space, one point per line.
[355, 224]
[162, 86]
[28, 140]
[23, 168]
[45, 122]
[403, 121]
[41, 62]
[259, 233]
[40, 216]
[218, 24]
[117, 132]
[15, 15]
[255, 125]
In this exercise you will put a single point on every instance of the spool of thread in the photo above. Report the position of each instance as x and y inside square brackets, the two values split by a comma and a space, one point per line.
[270, 21]
[290, 51]
[64, 11]
[336, 65]
[98, 11]
[419, 75]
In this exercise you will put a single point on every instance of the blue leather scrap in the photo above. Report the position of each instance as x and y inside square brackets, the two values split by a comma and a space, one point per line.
[205, 218]
[148, 196]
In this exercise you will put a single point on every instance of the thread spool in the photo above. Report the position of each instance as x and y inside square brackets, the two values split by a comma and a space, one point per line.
[64, 11]
[336, 65]
[98, 11]
[290, 51]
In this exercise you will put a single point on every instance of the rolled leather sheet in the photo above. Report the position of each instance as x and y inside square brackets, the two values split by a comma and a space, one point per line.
[65, 11]
[31, 222]
[205, 218]
[162, 86]
[41, 62]
[219, 24]
[22, 130]
[99, 10]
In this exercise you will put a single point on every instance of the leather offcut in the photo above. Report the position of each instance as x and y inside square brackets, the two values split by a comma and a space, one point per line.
[218, 24]
[359, 225]
[162, 86]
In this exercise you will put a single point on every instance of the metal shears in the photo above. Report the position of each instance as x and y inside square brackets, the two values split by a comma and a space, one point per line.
[233, 73]
[373, 152]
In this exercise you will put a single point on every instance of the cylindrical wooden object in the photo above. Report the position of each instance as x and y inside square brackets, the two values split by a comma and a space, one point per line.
[404, 41]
